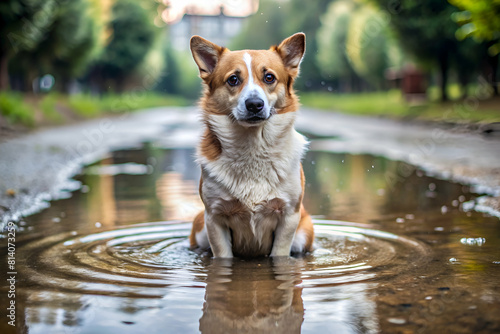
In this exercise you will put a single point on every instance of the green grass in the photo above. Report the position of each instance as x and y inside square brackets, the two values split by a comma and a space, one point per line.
[48, 107]
[18, 108]
[379, 103]
[15, 110]
[84, 105]
[91, 106]
[392, 104]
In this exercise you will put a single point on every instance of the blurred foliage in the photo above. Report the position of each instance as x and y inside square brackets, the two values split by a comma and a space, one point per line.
[370, 47]
[65, 50]
[426, 30]
[24, 24]
[479, 19]
[48, 106]
[97, 47]
[133, 37]
[180, 75]
[332, 37]
[355, 37]
[15, 110]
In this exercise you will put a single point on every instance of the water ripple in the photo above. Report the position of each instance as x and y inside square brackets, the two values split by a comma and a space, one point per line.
[146, 260]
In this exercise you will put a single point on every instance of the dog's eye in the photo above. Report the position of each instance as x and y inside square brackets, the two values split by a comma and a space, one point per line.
[233, 80]
[269, 78]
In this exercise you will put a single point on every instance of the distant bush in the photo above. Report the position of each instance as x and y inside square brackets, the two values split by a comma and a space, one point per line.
[48, 106]
[84, 105]
[15, 110]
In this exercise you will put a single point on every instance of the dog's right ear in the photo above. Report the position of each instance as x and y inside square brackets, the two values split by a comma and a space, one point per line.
[206, 55]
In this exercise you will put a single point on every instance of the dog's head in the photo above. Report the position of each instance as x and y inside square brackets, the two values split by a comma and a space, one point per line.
[249, 85]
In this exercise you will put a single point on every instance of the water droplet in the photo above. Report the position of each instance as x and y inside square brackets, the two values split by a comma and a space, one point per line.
[473, 241]
[400, 220]
[467, 206]
[428, 298]
[85, 189]
[455, 203]
[453, 260]
[56, 220]
[397, 321]
[98, 224]
[461, 198]
[439, 229]
[444, 209]
[410, 216]
[432, 186]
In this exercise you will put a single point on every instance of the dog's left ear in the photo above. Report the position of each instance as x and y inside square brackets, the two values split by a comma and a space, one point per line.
[291, 51]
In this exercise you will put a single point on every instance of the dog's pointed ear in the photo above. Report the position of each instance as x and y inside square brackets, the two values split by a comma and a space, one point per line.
[206, 55]
[291, 50]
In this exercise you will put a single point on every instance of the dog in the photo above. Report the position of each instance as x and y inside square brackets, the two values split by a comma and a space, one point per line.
[252, 182]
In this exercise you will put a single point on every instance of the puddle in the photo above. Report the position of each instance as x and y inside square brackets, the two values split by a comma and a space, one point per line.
[396, 251]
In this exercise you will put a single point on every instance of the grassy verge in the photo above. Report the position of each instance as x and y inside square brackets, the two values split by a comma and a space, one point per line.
[15, 110]
[55, 108]
[392, 104]
[90, 106]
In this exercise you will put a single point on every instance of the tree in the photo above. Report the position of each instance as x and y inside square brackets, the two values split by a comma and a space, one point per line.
[426, 30]
[133, 35]
[24, 26]
[480, 19]
[67, 48]
[331, 40]
[370, 46]
[355, 42]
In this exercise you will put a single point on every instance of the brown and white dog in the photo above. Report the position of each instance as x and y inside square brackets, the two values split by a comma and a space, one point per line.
[252, 182]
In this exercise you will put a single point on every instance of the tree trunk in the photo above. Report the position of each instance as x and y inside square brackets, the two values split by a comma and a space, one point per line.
[4, 71]
[494, 74]
[443, 71]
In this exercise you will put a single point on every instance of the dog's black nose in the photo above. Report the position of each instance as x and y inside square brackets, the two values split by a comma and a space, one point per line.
[254, 105]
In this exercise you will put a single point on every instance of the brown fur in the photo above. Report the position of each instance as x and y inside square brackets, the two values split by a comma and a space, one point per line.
[198, 223]
[210, 146]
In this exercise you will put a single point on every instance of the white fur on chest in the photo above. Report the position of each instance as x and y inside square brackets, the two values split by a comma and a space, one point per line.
[257, 164]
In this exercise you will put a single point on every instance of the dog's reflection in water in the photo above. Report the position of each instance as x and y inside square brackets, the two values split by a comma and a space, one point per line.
[254, 296]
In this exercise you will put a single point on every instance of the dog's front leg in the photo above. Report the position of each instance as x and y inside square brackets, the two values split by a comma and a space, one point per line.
[284, 233]
[218, 236]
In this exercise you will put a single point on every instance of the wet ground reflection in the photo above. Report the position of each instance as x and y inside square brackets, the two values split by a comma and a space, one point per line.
[396, 250]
